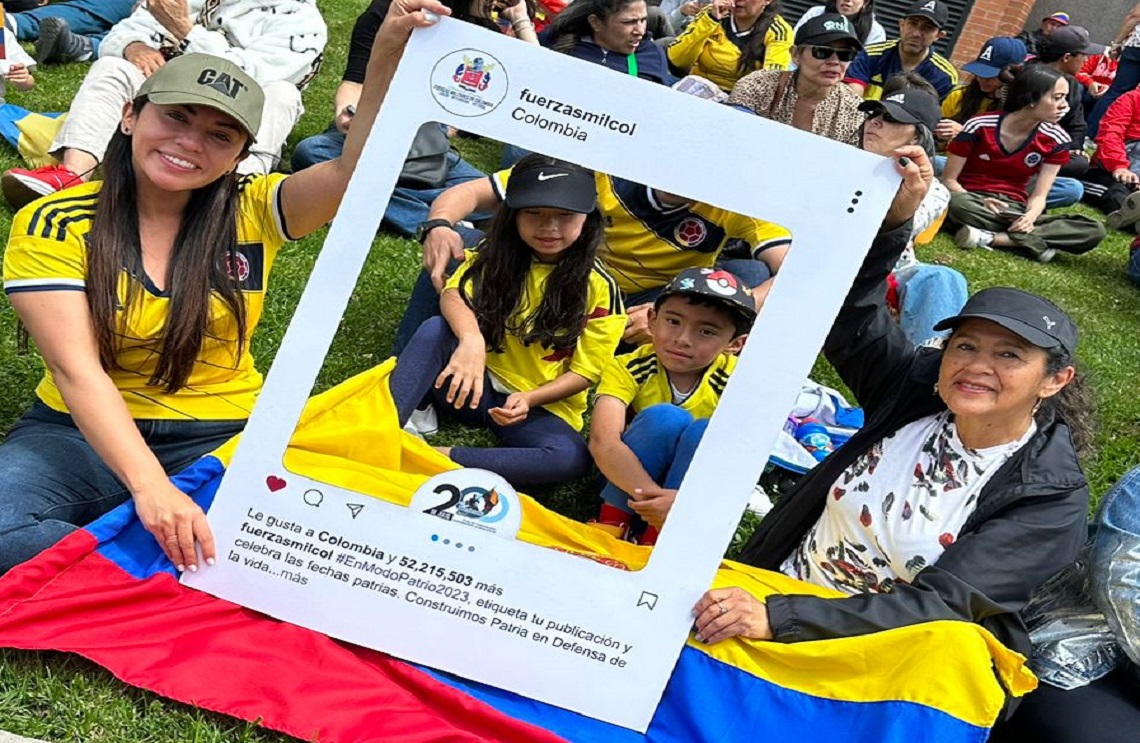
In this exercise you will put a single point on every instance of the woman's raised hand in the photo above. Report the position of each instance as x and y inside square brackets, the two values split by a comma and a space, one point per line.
[917, 173]
[404, 16]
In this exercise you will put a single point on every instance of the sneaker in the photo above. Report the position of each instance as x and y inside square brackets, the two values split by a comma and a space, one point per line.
[22, 186]
[1046, 255]
[423, 421]
[1128, 214]
[968, 237]
[58, 43]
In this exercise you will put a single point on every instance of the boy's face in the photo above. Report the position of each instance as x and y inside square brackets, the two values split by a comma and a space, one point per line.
[689, 337]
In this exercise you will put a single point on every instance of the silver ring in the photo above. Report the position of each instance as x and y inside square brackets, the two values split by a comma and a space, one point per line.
[721, 607]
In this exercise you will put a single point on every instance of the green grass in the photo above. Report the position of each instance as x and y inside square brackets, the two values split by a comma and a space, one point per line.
[63, 698]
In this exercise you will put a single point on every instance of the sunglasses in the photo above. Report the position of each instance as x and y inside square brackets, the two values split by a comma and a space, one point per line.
[826, 52]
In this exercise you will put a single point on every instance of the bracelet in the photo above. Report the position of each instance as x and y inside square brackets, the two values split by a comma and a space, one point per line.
[522, 23]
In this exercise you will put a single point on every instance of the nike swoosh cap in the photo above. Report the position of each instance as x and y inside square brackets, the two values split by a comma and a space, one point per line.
[541, 182]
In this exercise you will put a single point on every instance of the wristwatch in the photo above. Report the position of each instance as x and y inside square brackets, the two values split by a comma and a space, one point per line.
[426, 227]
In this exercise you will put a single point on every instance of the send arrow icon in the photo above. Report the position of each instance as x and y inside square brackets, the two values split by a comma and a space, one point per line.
[648, 599]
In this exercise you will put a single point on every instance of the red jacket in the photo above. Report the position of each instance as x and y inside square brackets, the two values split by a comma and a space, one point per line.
[1098, 68]
[1120, 124]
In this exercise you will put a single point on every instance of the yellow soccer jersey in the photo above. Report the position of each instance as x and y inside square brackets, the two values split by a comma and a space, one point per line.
[523, 368]
[952, 104]
[47, 251]
[711, 49]
[639, 381]
[647, 243]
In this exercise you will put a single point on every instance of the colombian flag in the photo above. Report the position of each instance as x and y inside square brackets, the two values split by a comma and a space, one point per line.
[107, 593]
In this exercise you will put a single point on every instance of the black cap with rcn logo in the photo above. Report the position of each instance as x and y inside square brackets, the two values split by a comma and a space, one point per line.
[826, 28]
[1034, 318]
[206, 80]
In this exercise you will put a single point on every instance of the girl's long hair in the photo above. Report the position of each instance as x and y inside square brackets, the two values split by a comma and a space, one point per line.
[573, 23]
[752, 53]
[973, 97]
[206, 244]
[494, 284]
[861, 21]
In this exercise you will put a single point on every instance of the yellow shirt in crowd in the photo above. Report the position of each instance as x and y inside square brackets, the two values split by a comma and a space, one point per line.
[639, 381]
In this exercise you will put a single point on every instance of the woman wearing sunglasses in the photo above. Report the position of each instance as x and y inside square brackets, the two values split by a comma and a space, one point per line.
[812, 98]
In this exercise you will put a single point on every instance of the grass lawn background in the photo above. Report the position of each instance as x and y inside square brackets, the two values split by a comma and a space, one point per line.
[62, 698]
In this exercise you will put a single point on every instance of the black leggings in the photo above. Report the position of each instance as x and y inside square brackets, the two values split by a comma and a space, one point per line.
[1105, 711]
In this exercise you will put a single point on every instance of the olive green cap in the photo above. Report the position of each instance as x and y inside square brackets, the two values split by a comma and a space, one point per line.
[206, 80]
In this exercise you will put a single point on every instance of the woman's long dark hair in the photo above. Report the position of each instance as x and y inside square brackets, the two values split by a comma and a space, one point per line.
[1073, 404]
[970, 104]
[752, 53]
[493, 286]
[1033, 82]
[573, 23]
[862, 20]
[206, 244]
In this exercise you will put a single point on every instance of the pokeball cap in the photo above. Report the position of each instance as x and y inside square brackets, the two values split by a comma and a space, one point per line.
[715, 284]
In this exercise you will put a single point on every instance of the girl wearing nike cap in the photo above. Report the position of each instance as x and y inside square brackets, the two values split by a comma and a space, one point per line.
[142, 293]
[961, 494]
[529, 321]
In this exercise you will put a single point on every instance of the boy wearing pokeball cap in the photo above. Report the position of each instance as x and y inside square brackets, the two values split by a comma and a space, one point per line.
[665, 392]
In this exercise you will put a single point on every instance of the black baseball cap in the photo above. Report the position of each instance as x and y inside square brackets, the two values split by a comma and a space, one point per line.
[1070, 40]
[826, 28]
[713, 283]
[547, 182]
[908, 106]
[934, 10]
[1034, 318]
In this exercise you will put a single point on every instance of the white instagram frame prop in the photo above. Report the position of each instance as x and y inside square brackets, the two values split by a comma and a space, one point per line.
[832, 196]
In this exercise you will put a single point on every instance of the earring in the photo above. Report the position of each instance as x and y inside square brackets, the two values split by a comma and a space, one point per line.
[126, 130]
[935, 392]
[1037, 406]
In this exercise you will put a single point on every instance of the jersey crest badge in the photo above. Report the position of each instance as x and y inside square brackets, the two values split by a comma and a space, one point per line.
[691, 232]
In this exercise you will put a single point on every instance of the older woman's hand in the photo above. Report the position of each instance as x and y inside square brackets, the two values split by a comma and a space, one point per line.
[917, 173]
[730, 612]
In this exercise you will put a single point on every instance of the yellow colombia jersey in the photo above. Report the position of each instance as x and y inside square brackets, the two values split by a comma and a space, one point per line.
[711, 49]
[47, 251]
[523, 368]
[953, 103]
[647, 243]
[639, 381]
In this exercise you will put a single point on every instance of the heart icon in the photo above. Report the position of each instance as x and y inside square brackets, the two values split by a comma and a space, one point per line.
[274, 483]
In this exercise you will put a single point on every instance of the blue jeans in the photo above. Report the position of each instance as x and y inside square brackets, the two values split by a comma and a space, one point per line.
[1115, 562]
[423, 303]
[1065, 192]
[52, 481]
[664, 438]
[407, 207]
[540, 450]
[928, 294]
[1127, 78]
[90, 18]
[1134, 266]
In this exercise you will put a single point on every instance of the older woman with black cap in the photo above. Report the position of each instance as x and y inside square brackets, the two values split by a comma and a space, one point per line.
[142, 292]
[812, 98]
[958, 498]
